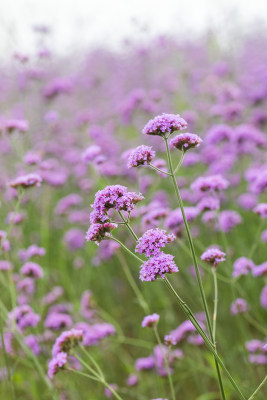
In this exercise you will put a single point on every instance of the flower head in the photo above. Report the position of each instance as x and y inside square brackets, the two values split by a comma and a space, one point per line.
[239, 306]
[152, 241]
[261, 210]
[158, 266]
[32, 269]
[213, 256]
[210, 183]
[26, 181]
[115, 196]
[56, 364]
[164, 124]
[66, 341]
[142, 155]
[98, 232]
[186, 141]
[150, 320]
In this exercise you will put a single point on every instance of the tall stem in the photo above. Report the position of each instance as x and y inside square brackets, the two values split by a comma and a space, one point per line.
[258, 388]
[209, 344]
[204, 301]
[192, 318]
[165, 362]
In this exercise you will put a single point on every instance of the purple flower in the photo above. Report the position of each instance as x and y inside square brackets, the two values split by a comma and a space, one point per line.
[67, 202]
[260, 270]
[94, 333]
[32, 269]
[247, 201]
[91, 154]
[115, 196]
[53, 295]
[11, 125]
[142, 155]
[66, 341]
[228, 220]
[5, 265]
[242, 266]
[239, 306]
[144, 363]
[4, 242]
[98, 232]
[26, 181]
[219, 133]
[208, 203]
[264, 236]
[86, 306]
[132, 380]
[210, 183]
[261, 210]
[108, 392]
[152, 241]
[57, 320]
[58, 362]
[213, 256]
[32, 342]
[24, 316]
[150, 320]
[165, 123]
[263, 297]
[74, 239]
[32, 157]
[185, 141]
[157, 266]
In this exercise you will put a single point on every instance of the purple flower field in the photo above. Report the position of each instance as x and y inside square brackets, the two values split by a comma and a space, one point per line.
[133, 260]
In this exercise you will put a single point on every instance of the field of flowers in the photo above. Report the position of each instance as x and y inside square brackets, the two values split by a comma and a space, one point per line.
[133, 233]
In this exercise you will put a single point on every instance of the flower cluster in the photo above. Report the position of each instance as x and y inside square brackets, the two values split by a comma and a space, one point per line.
[213, 256]
[185, 141]
[26, 181]
[152, 241]
[210, 183]
[142, 155]
[116, 197]
[98, 232]
[164, 124]
[157, 266]
[150, 320]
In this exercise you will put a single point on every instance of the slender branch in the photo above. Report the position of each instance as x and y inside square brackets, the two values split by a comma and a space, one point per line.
[126, 249]
[179, 163]
[203, 296]
[258, 388]
[158, 170]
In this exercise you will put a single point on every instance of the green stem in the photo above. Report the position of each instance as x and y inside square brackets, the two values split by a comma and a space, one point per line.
[209, 344]
[256, 241]
[165, 362]
[179, 163]
[203, 296]
[128, 226]
[258, 388]
[158, 170]
[126, 249]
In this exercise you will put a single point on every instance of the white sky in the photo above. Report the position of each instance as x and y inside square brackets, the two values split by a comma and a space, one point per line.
[81, 23]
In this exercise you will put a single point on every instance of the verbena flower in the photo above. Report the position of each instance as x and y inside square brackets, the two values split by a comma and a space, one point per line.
[142, 155]
[228, 219]
[208, 203]
[260, 270]
[261, 210]
[150, 320]
[24, 316]
[239, 306]
[157, 267]
[164, 124]
[213, 256]
[32, 269]
[186, 141]
[66, 341]
[144, 363]
[152, 241]
[26, 181]
[115, 196]
[242, 266]
[56, 364]
[210, 183]
[98, 232]
[57, 320]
